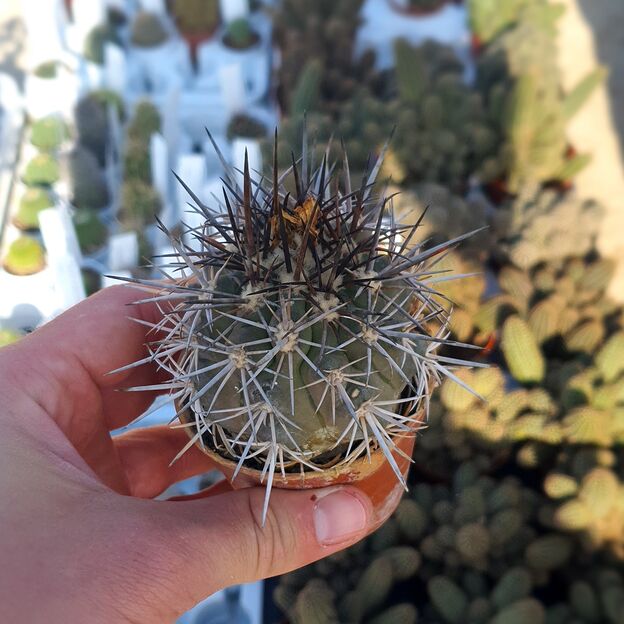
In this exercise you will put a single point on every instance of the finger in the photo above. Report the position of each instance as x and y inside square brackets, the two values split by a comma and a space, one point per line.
[75, 352]
[146, 455]
[221, 541]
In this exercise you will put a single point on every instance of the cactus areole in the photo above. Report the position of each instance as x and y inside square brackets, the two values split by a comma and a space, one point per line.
[301, 327]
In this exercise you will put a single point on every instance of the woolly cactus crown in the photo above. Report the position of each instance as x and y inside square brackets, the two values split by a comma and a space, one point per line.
[302, 327]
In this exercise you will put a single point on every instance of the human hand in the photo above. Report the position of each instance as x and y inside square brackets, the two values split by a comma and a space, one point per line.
[82, 541]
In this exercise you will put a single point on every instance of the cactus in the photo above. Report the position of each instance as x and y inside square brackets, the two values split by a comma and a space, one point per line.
[47, 70]
[514, 585]
[404, 613]
[42, 170]
[25, 256]
[516, 283]
[585, 338]
[199, 17]
[307, 91]
[145, 122]
[91, 232]
[437, 140]
[560, 485]
[87, 184]
[315, 604]
[239, 35]
[140, 205]
[411, 519]
[521, 351]
[48, 134]
[473, 542]
[610, 358]
[137, 162]
[548, 552]
[545, 318]
[449, 599]
[521, 612]
[97, 39]
[32, 202]
[148, 31]
[538, 227]
[246, 127]
[92, 126]
[405, 561]
[489, 18]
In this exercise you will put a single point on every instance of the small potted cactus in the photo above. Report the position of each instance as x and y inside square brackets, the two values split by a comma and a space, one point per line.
[97, 40]
[87, 183]
[145, 122]
[148, 31]
[32, 202]
[42, 170]
[25, 256]
[140, 205]
[90, 230]
[49, 133]
[303, 342]
[197, 21]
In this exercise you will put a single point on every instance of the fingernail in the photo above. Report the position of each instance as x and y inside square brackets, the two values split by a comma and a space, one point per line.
[338, 515]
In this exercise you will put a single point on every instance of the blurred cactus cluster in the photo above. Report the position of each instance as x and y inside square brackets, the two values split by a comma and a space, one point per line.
[516, 509]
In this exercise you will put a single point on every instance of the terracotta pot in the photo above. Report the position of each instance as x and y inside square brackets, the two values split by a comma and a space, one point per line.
[414, 11]
[375, 477]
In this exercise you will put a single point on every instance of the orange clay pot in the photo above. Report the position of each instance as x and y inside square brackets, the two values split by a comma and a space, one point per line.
[375, 477]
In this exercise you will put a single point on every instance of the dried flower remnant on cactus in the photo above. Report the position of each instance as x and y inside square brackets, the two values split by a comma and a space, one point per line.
[302, 329]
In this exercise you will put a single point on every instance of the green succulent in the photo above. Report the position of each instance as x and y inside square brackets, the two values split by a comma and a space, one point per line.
[47, 70]
[32, 202]
[96, 42]
[240, 35]
[92, 233]
[42, 170]
[140, 205]
[145, 122]
[25, 256]
[148, 31]
[48, 134]
[88, 186]
[137, 161]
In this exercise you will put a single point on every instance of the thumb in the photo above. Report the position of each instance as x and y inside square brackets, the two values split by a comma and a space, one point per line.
[221, 541]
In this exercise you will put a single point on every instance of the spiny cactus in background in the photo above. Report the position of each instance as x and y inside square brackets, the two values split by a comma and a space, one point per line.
[522, 352]
[137, 161]
[240, 35]
[97, 40]
[24, 256]
[444, 215]
[307, 91]
[91, 231]
[489, 18]
[140, 205]
[311, 287]
[48, 134]
[42, 170]
[536, 112]
[196, 16]
[145, 122]
[32, 202]
[88, 187]
[93, 127]
[544, 225]
[467, 545]
[246, 127]
[446, 132]
[323, 32]
[8, 336]
[148, 31]
[587, 494]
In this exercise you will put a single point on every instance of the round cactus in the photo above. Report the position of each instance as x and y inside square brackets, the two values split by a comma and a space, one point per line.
[610, 359]
[91, 232]
[32, 202]
[140, 205]
[145, 122]
[137, 162]
[25, 256]
[148, 31]
[314, 351]
[449, 600]
[42, 170]
[239, 34]
[196, 16]
[48, 134]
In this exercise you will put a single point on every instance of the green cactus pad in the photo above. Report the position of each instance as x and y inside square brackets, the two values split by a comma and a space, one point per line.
[521, 351]
[25, 256]
[32, 202]
[48, 134]
[42, 170]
